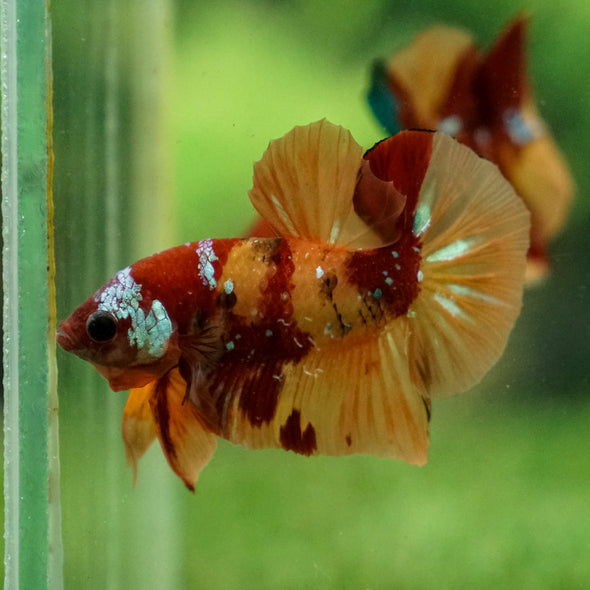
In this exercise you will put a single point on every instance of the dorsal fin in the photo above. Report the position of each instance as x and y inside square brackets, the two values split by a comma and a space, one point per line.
[304, 186]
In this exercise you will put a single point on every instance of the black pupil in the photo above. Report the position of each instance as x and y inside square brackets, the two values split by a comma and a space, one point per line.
[101, 326]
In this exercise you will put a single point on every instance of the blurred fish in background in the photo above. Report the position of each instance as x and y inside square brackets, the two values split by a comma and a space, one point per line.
[443, 81]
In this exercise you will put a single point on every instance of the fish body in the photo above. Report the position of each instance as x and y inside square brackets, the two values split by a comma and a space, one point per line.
[395, 276]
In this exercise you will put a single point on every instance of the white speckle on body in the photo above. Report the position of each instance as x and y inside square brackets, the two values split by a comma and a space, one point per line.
[319, 272]
[420, 276]
[207, 257]
[230, 345]
[149, 333]
[228, 287]
[268, 333]
[389, 281]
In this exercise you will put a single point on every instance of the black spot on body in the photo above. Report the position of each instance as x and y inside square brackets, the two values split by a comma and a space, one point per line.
[227, 300]
[293, 439]
[328, 284]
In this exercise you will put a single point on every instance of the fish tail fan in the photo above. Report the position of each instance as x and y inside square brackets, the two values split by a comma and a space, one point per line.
[474, 231]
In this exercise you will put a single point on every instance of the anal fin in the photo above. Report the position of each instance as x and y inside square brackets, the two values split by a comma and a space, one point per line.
[352, 397]
[185, 440]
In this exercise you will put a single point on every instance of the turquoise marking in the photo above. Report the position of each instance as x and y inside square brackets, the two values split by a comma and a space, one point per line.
[381, 100]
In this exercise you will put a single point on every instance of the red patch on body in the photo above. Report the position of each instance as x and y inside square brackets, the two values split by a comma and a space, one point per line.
[257, 349]
[387, 277]
[181, 290]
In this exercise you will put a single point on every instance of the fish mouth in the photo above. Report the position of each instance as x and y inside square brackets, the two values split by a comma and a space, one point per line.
[64, 339]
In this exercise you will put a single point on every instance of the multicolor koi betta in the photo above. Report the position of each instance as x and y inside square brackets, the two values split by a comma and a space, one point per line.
[443, 81]
[395, 276]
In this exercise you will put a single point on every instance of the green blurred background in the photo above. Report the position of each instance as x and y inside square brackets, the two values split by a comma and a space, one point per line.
[160, 110]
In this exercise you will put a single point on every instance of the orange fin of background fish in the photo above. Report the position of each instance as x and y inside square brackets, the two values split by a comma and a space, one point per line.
[356, 396]
[475, 235]
[187, 444]
[304, 186]
[421, 82]
[540, 171]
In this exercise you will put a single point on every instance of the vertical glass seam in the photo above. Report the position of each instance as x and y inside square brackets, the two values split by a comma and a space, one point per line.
[10, 284]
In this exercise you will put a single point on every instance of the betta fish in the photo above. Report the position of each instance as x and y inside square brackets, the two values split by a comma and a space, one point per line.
[394, 276]
[442, 81]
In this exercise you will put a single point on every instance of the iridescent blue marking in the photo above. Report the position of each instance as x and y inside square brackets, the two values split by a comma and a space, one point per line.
[381, 99]
[520, 130]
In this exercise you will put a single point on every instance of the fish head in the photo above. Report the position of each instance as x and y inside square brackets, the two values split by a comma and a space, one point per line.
[124, 332]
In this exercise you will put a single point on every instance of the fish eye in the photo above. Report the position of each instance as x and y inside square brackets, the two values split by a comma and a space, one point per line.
[101, 327]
